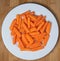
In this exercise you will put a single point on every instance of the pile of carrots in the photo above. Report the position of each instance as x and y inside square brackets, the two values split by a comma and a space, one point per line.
[30, 31]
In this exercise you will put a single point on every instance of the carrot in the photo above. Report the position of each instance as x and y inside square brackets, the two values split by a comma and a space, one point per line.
[41, 20]
[24, 19]
[37, 48]
[38, 37]
[38, 19]
[33, 18]
[12, 24]
[33, 29]
[28, 22]
[48, 27]
[32, 24]
[20, 44]
[14, 40]
[29, 38]
[25, 28]
[43, 28]
[17, 32]
[40, 25]
[45, 40]
[18, 19]
[34, 33]
[21, 29]
[34, 45]
[24, 39]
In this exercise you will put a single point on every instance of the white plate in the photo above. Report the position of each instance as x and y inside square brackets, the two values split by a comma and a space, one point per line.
[39, 9]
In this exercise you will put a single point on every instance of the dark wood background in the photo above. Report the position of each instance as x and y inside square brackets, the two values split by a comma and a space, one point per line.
[7, 5]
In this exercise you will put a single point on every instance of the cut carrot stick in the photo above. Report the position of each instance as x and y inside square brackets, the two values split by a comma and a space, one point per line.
[38, 19]
[45, 40]
[22, 29]
[41, 24]
[20, 44]
[33, 18]
[25, 28]
[24, 19]
[24, 39]
[33, 29]
[29, 38]
[17, 32]
[34, 33]
[41, 20]
[32, 24]
[34, 45]
[28, 22]
[48, 27]
[37, 48]
[12, 24]
[14, 39]
[43, 28]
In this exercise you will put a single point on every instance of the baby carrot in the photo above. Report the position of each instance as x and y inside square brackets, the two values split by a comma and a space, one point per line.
[33, 29]
[24, 19]
[43, 28]
[12, 24]
[17, 32]
[28, 22]
[20, 44]
[48, 27]
[25, 28]
[38, 19]
[24, 39]
[34, 45]
[41, 24]
[33, 18]
[41, 20]
[14, 39]
[37, 48]
[29, 38]
[45, 40]
[32, 24]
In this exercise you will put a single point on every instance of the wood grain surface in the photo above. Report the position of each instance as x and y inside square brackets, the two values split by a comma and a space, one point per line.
[7, 5]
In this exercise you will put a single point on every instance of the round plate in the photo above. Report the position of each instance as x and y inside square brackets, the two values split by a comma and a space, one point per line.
[7, 39]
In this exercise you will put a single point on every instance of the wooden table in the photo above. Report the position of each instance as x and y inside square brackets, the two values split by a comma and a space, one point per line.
[7, 5]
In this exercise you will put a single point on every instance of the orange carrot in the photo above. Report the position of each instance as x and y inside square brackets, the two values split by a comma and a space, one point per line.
[29, 38]
[25, 28]
[48, 27]
[41, 24]
[43, 28]
[34, 45]
[28, 22]
[41, 20]
[20, 44]
[45, 40]
[12, 24]
[33, 29]
[17, 32]
[24, 39]
[37, 48]
[33, 18]
[38, 19]
[32, 24]
[22, 29]
[24, 19]
[14, 40]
